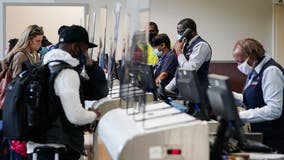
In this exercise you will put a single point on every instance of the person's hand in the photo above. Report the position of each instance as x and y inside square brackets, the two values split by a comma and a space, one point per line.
[92, 126]
[178, 47]
[89, 61]
[98, 113]
[158, 82]
[161, 94]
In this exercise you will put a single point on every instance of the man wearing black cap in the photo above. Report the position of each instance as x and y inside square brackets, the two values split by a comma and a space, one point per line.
[66, 130]
[59, 31]
[44, 47]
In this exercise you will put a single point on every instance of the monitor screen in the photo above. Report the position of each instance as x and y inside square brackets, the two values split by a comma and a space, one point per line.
[140, 76]
[221, 97]
[145, 78]
[188, 85]
[190, 90]
[223, 103]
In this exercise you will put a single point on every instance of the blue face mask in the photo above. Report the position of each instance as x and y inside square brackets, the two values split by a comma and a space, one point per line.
[5, 53]
[157, 52]
[43, 50]
[179, 36]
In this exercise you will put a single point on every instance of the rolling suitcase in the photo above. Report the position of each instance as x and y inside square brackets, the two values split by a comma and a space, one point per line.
[56, 150]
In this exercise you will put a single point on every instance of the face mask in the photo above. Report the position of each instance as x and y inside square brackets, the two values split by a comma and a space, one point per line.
[151, 36]
[5, 53]
[157, 52]
[179, 36]
[82, 59]
[43, 50]
[82, 62]
[245, 68]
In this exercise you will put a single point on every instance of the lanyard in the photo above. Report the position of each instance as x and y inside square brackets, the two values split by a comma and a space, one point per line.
[159, 63]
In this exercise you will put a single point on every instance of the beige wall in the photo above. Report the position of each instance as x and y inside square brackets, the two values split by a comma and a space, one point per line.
[220, 22]
[50, 17]
[129, 21]
[4, 3]
[279, 33]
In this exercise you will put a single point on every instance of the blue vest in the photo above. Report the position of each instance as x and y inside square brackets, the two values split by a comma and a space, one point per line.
[202, 72]
[273, 131]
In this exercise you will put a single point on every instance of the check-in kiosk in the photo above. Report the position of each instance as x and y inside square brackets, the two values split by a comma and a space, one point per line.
[160, 132]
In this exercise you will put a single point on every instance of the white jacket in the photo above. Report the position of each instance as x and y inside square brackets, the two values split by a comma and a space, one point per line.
[66, 87]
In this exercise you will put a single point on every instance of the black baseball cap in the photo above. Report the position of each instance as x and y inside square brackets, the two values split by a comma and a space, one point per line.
[75, 33]
[45, 42]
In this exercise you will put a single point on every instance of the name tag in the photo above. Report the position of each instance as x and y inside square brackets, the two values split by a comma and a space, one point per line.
[254, 83]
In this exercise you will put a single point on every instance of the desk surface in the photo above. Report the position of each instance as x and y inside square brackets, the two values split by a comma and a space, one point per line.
[262, 156]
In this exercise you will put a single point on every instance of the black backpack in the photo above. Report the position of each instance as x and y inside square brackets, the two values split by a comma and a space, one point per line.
[30, 103]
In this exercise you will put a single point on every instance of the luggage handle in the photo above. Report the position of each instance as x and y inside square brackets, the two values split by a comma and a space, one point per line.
[56, 150]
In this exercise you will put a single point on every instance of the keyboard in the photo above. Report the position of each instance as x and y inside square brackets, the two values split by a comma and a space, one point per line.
[254, 146]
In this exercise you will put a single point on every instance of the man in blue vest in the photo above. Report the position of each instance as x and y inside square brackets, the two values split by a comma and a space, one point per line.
[193, 53]
[263, 92]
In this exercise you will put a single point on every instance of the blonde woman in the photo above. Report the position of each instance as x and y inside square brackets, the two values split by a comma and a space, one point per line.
[25, 50]
[24, 53]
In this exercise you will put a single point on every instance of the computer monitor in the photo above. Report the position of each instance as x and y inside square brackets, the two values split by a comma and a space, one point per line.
[135, 77]
[190, 90]
[221, 98]
[223, 104]
[145, 78]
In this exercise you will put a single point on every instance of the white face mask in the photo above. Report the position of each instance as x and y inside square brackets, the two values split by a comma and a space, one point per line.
[179, 36]
[157, 52]
[245, 68]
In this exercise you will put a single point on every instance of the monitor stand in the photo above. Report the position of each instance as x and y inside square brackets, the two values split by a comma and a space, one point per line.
[197, 111]
[219, 143]
[224, 132]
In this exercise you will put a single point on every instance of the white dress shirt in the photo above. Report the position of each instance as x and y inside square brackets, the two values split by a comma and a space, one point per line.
[201, 53]
[272, 85]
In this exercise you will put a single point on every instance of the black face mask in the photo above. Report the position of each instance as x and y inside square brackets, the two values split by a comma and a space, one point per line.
[151, 36]
[82, 60]
[80, 56]
[78, 53]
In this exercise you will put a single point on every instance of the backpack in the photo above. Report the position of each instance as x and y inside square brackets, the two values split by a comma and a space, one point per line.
[30, 103]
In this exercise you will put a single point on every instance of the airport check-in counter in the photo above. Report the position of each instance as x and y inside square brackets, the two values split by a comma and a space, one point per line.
[122, 135]
[113, 100]
[162, 133]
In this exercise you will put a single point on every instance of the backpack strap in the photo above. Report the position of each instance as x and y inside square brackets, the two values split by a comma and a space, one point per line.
[54, 70]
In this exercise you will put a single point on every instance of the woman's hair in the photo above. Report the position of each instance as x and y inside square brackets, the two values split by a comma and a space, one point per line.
[162, 38]
[29, 33]
[251, 47]
[12, 43]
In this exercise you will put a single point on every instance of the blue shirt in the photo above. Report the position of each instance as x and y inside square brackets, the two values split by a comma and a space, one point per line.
[168, 63]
